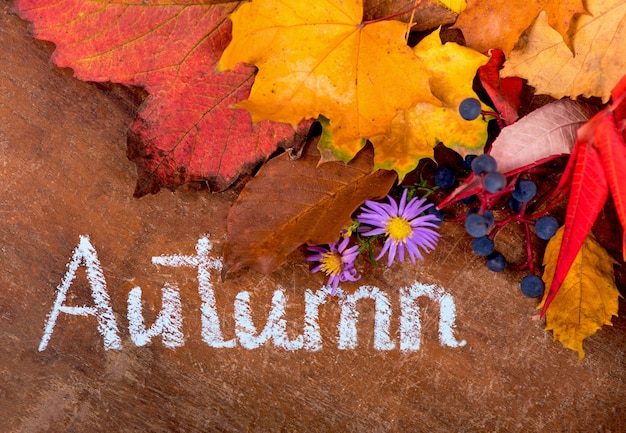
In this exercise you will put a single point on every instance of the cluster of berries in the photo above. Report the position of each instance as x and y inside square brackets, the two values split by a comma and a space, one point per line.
[481, 224]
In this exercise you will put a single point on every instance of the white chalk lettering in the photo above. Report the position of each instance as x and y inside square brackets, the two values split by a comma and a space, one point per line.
[275, 329]
[85, 255]
[168, 323]
[410, 320]
[312, 302]
[349, 317]
[169, 320]
[211, 329]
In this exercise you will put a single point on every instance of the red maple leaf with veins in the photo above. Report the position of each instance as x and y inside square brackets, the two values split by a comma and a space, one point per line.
[187, 129]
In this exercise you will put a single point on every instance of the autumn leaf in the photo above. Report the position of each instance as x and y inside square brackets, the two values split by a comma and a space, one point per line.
[451, 68]
[594, 68]
[612, 147]
[456, 6]
[544, 134]
[425, 15]
[614, 162]
[548, 132]
[597, 163]
[503, 92]
[290, 203]
[319, 58]
[488, 24]
[588, 194]
[417, 130]
[187, 129]
[588, 298]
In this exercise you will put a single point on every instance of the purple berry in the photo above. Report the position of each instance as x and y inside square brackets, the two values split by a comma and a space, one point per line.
[532, 286]
[470, 108]
[484, 163]
[546, 227]
[496, 262]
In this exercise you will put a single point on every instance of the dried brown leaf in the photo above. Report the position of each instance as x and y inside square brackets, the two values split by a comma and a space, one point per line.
[290, 203]
[428, 15]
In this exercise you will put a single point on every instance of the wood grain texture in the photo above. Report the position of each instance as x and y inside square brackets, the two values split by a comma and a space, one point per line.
[63, 173]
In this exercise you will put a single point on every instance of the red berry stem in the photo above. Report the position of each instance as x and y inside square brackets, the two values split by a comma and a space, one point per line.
[495, 115]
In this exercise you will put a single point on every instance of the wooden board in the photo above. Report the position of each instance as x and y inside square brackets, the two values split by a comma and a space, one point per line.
[66, 194]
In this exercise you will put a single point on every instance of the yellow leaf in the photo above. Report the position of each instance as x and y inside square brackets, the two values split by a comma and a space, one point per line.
[588, 298]
[416, 131]
[318, 58]
[329, 152]
[454, 5]
[543, 58]
[451, 68]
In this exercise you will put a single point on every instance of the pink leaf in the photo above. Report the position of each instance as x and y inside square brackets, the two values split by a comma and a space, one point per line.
[544, 134]
[549, 131]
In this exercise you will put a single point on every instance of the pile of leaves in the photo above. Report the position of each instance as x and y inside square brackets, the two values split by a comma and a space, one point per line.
[358, 95]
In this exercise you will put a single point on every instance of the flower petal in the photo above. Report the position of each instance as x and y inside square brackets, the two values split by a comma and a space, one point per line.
[343, 244]
[415, 208]
[402, 202]
[374, 232]
[392, 251]
[400, 251]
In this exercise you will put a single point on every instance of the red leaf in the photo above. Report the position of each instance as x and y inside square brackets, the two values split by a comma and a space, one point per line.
[187, 129]
[588, 194]
[612, 149]
[599, 159]
[290, 203]
[618, 95]
[618, 99]
[504, 92]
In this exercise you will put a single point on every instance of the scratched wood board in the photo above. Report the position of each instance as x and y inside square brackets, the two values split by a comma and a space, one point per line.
[462, 355]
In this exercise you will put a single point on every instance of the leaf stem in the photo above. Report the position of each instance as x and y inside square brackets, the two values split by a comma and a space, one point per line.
[495, 115]
[529, 250]
[376, 20]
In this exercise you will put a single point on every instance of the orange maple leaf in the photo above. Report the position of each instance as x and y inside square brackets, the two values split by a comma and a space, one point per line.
[488, 24]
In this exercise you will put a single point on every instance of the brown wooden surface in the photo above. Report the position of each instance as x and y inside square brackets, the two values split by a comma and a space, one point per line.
[63, 173]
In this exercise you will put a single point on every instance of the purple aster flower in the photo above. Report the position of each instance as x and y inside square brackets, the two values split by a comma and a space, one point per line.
[335, 261]
[402, 225]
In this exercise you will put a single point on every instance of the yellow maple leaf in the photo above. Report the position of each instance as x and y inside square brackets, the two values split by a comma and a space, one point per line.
[318, 58]
[588, 298]
[488, 24]
[416, 131]
[599, 63]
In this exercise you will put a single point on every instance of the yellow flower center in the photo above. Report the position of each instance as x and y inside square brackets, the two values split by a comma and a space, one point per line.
[398, 229]
[331, 263]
